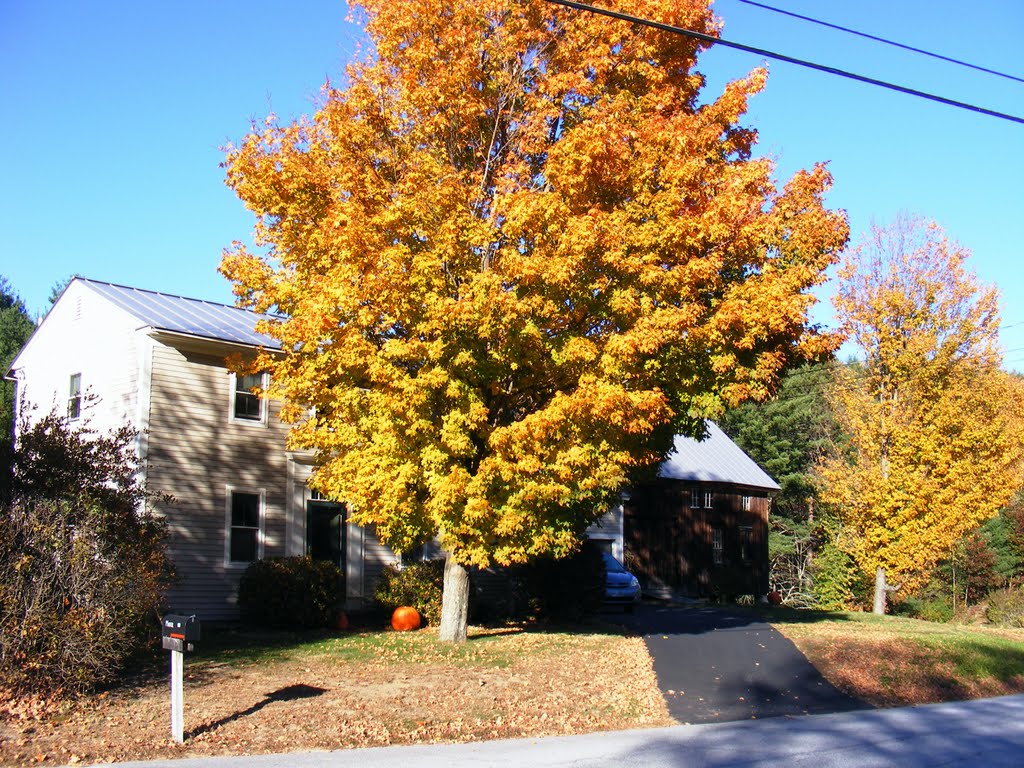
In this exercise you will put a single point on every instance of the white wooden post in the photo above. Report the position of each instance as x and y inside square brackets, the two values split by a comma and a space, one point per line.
[177, 696]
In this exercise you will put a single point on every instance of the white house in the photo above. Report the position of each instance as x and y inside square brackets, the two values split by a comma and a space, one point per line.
[115, 355]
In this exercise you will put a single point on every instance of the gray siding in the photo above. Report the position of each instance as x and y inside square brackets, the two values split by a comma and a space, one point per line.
[376, 556]
[196, 452]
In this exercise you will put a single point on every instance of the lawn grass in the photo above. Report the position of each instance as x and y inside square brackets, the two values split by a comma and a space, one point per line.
[893, 661]
[486, 647]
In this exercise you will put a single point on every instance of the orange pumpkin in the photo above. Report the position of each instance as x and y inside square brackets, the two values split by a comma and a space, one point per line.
[342, 621]
[405, 618]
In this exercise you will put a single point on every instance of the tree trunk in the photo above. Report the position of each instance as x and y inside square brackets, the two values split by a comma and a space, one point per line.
[454, 602]
[880, 591]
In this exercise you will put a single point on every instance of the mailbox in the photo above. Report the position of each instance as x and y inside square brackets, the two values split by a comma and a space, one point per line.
[179, 633]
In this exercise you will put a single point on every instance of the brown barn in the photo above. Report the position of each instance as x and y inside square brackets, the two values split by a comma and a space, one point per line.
[701, 528]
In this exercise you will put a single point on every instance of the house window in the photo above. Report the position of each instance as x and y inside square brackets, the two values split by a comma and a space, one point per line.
[244, 518]
[717, 546]
[746, 503]
[247, 405]
[75, 396]
[709, 499]
[695, 498]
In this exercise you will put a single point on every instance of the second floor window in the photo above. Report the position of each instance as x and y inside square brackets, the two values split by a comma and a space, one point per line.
[75, 396]
[248, 405]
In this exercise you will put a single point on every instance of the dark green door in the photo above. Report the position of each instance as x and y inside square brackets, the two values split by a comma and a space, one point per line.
[325, 532]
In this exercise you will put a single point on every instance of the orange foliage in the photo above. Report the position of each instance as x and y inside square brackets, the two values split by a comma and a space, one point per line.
[512, 257]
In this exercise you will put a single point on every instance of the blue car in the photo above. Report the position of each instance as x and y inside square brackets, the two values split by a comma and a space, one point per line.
[620, 587]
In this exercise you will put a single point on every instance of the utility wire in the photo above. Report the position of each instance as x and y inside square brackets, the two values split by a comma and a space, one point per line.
[711, 40]
[883, 40]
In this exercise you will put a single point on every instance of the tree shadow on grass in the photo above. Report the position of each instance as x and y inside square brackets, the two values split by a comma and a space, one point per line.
[787, 615]
[492, 631]
[288, 693]
[670, 618]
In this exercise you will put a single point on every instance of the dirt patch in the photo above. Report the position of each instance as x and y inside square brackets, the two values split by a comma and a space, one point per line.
[520, 685]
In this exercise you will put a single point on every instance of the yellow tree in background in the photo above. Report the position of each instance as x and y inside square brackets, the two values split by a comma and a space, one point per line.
[512, 257]
[932, 423]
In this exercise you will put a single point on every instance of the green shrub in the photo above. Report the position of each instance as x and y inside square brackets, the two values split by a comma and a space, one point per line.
[286, 592]
[1006, 607]
[833, 578]
[418, 585]
[938, 609]
[566, 588]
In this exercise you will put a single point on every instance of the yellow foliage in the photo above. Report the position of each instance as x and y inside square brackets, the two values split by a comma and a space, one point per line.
[933, 426]
[512, 257]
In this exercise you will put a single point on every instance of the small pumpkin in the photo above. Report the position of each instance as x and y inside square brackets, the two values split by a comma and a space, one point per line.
[405, 618]
[342, 621]
[775, 597]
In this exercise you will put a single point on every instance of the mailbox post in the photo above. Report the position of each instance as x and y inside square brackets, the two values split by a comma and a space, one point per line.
[178, 634]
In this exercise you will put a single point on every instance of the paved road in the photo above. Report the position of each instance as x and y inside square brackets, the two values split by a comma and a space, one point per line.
[717, 666]
[987, 733]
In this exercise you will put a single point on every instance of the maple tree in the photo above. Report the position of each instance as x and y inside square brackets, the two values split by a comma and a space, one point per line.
[513, 256]
[932, 425]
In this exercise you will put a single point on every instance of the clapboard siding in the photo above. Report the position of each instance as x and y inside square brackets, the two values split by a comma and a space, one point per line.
[376, 557]
[608, 528]
[197, 453]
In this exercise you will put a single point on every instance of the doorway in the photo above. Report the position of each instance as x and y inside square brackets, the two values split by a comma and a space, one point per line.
[325, 531]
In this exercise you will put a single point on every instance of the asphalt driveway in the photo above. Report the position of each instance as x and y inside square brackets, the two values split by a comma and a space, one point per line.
[714, 665]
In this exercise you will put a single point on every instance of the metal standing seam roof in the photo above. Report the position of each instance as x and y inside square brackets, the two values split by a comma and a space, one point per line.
[193, 317]
[716, 459]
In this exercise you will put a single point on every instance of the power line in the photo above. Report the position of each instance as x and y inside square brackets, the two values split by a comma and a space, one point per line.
[711, 40]
[883, 40]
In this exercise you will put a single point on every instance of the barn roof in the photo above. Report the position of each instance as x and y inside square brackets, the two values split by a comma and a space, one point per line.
[715, 459]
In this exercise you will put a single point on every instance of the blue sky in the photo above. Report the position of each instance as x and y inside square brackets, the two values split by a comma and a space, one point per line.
[114, 114]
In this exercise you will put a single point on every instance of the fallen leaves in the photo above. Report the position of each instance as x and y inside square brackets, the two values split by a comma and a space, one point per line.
[902, 662]
[414, 690]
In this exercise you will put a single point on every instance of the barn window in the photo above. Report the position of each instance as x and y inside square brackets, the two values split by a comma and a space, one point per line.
[717, 546]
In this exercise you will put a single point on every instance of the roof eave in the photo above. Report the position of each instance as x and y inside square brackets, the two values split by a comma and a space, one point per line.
[177, 338]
